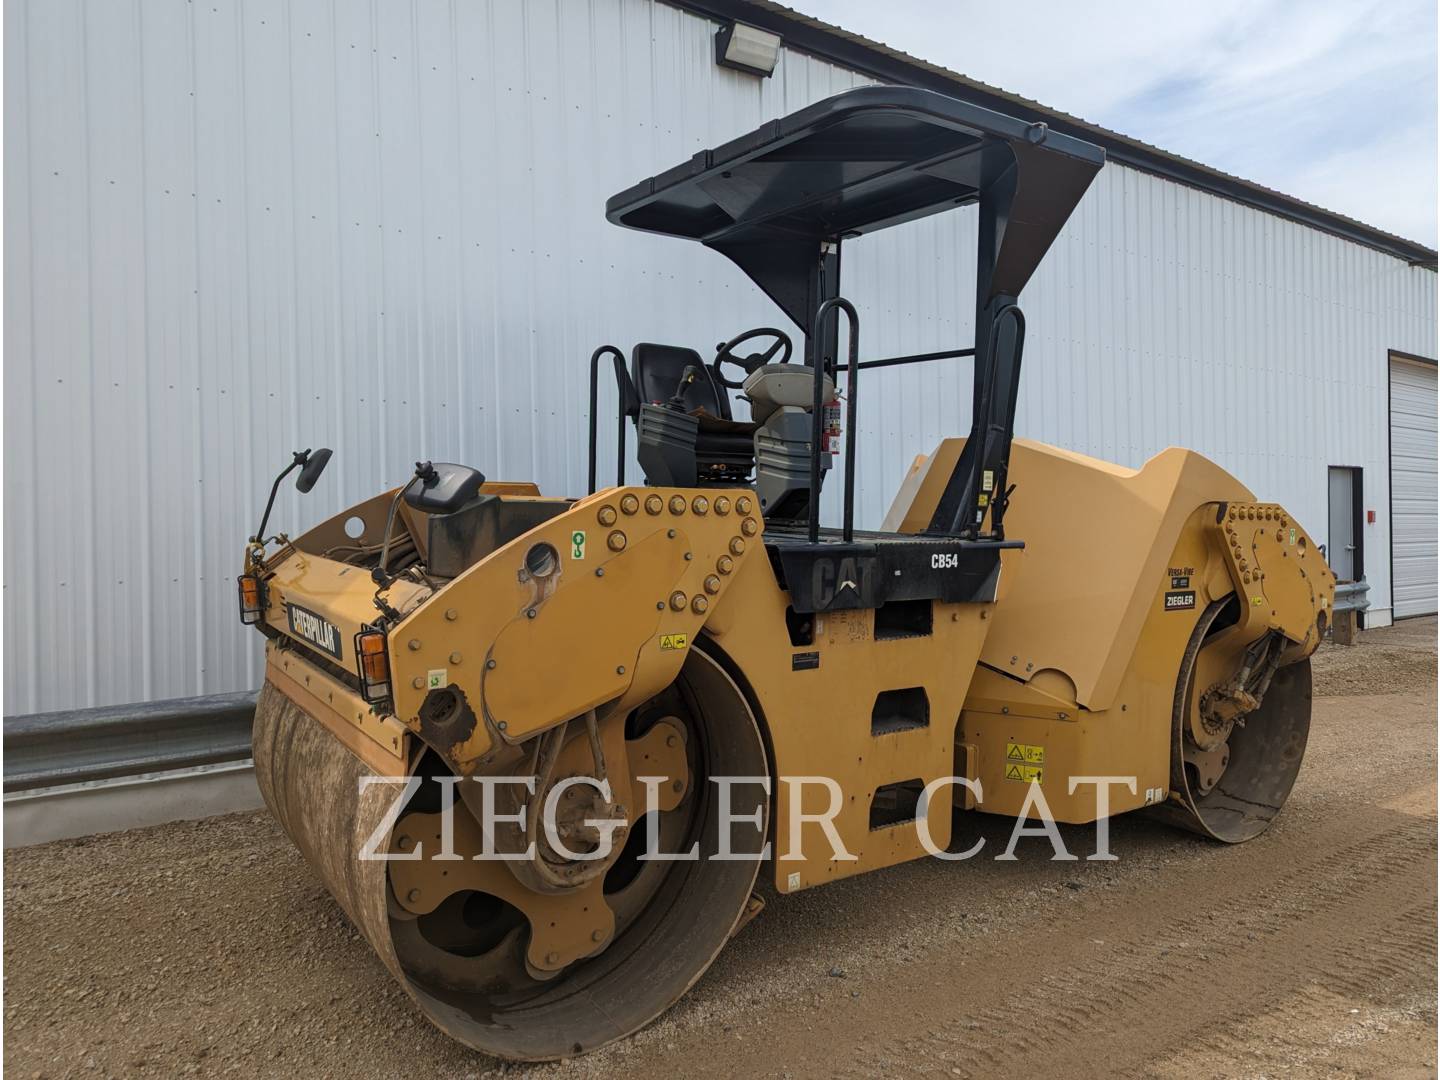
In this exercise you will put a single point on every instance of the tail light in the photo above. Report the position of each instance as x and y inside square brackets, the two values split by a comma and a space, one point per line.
[252, 599]
[373, 657]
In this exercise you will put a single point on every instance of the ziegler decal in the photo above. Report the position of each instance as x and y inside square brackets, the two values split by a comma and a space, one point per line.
[1179, 601]
[320, 632]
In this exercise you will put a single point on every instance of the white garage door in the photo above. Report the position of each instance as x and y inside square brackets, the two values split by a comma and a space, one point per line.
[1412, 486]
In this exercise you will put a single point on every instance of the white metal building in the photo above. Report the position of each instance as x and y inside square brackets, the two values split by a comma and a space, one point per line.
[236, 229]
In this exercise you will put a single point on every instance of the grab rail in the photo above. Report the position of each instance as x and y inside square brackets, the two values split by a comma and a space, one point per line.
[622, 383]
[818, 420]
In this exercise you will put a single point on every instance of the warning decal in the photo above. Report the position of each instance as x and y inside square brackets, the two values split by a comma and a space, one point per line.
[1025, 773]
[1026, 753]
[673, 641]
[577, 544]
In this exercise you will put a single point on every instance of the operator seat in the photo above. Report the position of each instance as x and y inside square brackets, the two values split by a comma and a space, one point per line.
[724, 447]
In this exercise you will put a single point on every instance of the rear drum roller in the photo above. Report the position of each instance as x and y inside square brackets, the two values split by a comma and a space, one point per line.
[468, 959]
[1231, 788]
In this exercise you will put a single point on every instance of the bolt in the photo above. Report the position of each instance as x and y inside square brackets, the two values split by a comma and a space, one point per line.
[670, 533]
[689, 555]
[671, 740]
[620, 670]
[659, 605]
[530, 613]
[451, 614]
[413, 644]
[678, 786]
[413, 895]
[597, 936]
[700, 505]
[600, 571]
[418, 683]
[654, 504]
[678, 600]
[404, 843]
[606, 515]
[677, 505]
[455, 658]
[629, 504]
[551, 959]
[1005, 709]
[502, 725]
[722, 506]
[616, 541]
[489, 665]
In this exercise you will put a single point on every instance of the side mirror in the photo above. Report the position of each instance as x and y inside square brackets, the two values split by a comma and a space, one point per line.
[441, 488]
[311, 470]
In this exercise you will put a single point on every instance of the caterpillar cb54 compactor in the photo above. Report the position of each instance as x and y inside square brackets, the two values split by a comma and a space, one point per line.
[1025, 616]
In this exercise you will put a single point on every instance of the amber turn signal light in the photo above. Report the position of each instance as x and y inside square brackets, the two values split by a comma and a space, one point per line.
[252, 599]
[374, 662]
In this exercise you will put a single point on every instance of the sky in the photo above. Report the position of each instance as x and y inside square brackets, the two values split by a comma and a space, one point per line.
[1331, 101]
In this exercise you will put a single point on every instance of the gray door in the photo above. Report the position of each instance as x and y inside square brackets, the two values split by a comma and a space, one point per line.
[1340, 545]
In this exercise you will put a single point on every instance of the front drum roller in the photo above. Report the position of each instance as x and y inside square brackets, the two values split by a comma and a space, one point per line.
[1231, 791]
[467, 959]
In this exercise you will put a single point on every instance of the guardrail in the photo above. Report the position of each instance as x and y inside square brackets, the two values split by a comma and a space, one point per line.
[44, 750]
[1352, 596]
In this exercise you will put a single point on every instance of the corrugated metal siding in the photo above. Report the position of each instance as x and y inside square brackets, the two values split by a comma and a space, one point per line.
[236, 229]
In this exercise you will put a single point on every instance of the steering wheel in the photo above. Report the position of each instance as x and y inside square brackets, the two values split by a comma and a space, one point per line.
[748, 364]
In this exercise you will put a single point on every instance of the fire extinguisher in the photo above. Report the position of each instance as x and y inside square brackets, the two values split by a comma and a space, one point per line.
[830, 426]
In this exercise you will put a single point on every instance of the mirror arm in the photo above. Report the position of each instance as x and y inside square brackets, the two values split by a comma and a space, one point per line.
[300, 458]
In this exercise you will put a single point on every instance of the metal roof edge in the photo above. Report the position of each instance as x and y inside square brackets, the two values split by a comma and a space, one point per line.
[806, 34]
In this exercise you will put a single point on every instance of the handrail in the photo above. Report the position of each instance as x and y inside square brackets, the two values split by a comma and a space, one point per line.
[917, 358]
[817, 419]
[621, 377]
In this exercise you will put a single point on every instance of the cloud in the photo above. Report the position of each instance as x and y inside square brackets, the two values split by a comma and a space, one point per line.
[1330, 101]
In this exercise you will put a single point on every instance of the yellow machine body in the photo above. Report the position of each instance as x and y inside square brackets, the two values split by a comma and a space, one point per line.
[1070, 672]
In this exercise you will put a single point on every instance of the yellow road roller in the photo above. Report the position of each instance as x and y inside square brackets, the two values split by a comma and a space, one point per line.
[541, 748]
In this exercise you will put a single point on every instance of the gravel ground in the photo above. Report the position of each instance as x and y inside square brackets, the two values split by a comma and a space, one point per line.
[209, 948]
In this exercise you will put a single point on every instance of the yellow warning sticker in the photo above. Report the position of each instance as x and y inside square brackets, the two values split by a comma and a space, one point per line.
[1024, 752]
[674, 641]
[1024, 773]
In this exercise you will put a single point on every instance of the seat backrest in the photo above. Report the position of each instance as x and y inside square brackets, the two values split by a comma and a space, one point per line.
[658, 368]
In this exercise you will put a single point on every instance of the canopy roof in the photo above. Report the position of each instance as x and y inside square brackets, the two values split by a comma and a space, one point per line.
[863, 160]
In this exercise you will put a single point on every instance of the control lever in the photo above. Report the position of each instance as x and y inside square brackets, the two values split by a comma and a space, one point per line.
[677, 400]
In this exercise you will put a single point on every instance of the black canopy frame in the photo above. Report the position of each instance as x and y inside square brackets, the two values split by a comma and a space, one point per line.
[780, 201]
